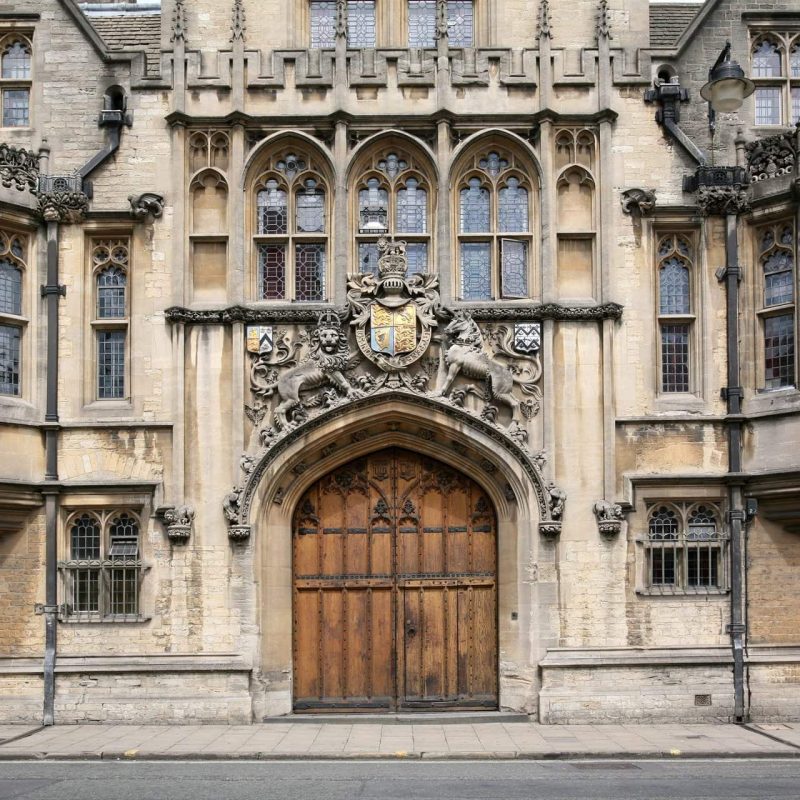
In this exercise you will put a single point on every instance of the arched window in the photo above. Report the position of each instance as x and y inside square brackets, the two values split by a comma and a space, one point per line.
[290, 229]
[494, 222]
[775, 69]
[394, 200]
[102, 574]
[15, 80]
[675, 255]
[13, 322]
[684, 547]
[110, 262]
[777, 257]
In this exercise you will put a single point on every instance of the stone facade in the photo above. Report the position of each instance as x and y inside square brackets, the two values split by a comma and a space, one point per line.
[147, 500]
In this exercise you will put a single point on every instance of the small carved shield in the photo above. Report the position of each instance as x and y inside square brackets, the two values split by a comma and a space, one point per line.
[527, 337]
[259, 339]
[393, 331]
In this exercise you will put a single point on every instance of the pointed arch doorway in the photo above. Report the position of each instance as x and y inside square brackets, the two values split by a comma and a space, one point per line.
[394, 588]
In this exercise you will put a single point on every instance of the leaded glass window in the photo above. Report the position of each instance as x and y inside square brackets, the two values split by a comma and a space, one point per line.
[291, 223]
[675, 253]
[15, 81]
[393, 197]
[111, 365]
[775, 70]
[361, 23]
[685, 547]
[9, 359]
[323, 23]
[111, 284]
[10, 287]
[460, 23]
[777, 250]
[494, 199]
[422, 23]
[101, 576]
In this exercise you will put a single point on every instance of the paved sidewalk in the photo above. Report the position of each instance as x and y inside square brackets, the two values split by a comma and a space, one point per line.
[309, 740]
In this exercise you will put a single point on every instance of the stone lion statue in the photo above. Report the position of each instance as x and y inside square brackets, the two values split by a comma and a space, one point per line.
[327, 360]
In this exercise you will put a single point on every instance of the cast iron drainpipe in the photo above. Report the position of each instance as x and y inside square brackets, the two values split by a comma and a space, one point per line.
[113, 120]
[736, 513]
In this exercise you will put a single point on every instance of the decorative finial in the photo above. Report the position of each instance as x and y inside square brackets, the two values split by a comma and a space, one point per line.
[238, 22]
[442, 29]
[178, 22]
[603, 21]
[543, 25]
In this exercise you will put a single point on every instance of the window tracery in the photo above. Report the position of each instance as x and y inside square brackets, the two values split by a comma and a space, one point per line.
[16, 56]
[775, 69]
[13, 321]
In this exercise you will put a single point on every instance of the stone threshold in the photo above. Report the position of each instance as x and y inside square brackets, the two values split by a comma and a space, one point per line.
[400, 718]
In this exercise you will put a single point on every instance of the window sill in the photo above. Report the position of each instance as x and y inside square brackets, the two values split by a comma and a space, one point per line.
[677, 591]
[116, 619]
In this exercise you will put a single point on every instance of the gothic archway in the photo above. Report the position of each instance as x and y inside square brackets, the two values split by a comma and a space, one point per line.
[394, 588]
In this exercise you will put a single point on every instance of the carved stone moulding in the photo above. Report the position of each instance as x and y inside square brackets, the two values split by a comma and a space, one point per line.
[550, 529]
[239, 533]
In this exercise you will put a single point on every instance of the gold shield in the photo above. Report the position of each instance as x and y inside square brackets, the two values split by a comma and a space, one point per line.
[393, 331]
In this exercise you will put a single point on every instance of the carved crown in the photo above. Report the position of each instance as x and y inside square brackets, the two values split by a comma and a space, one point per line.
[392, 262]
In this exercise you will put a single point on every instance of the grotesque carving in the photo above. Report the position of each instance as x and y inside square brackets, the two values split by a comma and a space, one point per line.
[465, 355]
[230, 505]
[722, 200]
[609, 517]
[179, 521]
[19, 168]
[638, 202]
[148, 204]
[771, 157]
[558, 497]
[327, 361]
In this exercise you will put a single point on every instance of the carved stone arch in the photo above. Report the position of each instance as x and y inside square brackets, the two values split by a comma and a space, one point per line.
[283, 475]
[402, 138]
[209, 214]
[512, 140]
[256, 158]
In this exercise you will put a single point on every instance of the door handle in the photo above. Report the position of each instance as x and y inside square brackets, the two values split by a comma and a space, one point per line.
[411, 629]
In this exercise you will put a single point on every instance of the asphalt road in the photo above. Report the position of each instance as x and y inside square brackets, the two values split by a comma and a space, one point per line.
[358, 780]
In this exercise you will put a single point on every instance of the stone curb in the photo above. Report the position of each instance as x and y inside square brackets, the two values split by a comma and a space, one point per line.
[255, 755]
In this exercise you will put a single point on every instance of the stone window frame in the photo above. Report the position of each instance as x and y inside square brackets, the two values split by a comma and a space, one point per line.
[787, 39]
[679, 549]
[72, 569]
[763, 312]
[690, 319]
[7, 38]
[392, 164]
[331, 7]
[291, 164]
[518, 165]
[19, 322]
[434, 8]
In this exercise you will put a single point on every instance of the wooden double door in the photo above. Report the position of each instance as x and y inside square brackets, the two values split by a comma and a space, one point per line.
[395, 588]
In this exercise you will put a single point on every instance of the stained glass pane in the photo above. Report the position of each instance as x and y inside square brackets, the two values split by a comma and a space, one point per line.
[16, 104]
[474, 210]
[795, 105]
[779, 351]
[110, 365]
[412, 208]
[272, 211]
[514, 264]
[111, 284]
[459, 23]
[361, 23]
[778, 278]
[323, 23]
[368, 257]
[794, 61]
[513, 211]
[373, 205]
[766, 60]
[17, 61]
[417, 256]
[768, 106]
[272, 271]
[9, 359]
[310, 211]
[476, 259]
[85, 538]
[309, 271]
[674, 358]
[10, 288]
[422, 23]
[673, 280]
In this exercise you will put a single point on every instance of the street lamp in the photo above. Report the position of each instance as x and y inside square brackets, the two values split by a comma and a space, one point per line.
[727, 86]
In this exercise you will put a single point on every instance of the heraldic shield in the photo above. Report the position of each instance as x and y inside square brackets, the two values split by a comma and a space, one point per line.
[393, 331]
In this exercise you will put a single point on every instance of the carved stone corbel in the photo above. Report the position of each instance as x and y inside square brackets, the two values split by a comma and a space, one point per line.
[178, 521]
[63, 206]
[609, 518]
[638, 202]
[239, 533]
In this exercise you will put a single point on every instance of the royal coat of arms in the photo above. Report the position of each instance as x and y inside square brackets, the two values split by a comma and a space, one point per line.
[393, 313]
